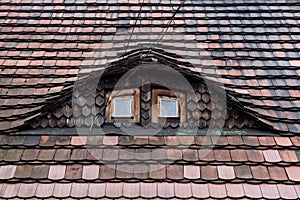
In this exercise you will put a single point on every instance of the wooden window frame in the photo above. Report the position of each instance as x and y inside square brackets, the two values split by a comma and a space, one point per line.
[134, 95]
[158, 93]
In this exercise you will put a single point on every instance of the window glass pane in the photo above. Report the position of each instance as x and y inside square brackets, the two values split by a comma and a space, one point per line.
[168, 108]
[122, 107]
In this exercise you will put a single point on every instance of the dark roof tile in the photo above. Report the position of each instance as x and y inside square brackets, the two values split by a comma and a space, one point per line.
[73, 172]
[239, 155]
[243, 172]
[46, 154]
[13, 155]
[174, 172]
[30, 154]
[23, 171]
[62, 154]
[107, 171]
[157, 171]
[260, 172]
[209, 172]
[47, 141]
[222, 155]
[255, 155]
[40, 172]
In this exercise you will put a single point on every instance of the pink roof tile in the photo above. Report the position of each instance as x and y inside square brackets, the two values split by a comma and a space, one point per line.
[110, 140]
[269, 191]
[166, 190]
[7, 171]
[234, 190]
[148, 190]
[226, 172]
[272, 156]
[200, 190]
[79, 190]
[62, 190]
[90, 172]
[9, 190]
[287, 191]
[183, 190]
[131, 190]
[283, 141]
[252, 191]
[114, 190]
[96, 190]
[78, 140]
[44, 190]
[217, 191]
[27, 190]
[57, 172]
[191, 172]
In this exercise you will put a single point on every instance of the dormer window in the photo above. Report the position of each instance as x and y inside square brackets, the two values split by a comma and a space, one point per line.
[168, 107]
[123, 106]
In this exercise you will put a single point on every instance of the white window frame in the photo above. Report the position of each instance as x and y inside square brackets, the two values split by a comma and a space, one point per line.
[114, 106]
[160, 107]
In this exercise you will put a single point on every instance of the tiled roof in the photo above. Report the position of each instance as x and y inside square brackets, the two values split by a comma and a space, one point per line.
[252, 48]
[150, 166]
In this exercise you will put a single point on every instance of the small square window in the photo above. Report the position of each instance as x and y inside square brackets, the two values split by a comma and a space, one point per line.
[168, 107]
[122, 107]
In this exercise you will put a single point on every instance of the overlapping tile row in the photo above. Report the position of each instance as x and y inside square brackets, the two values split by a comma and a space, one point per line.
[157, 190]
[234, 159]
[254, 47]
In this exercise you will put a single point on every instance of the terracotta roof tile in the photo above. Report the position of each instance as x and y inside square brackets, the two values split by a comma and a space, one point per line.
[107, 171]
[293, 173]
[209, 172]
[157, 171]
[288, 156]
[239, 155]
[78, 140]
[267, 141]
[277, 173]
[255, 155]
[260, 172]
[222, 155]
